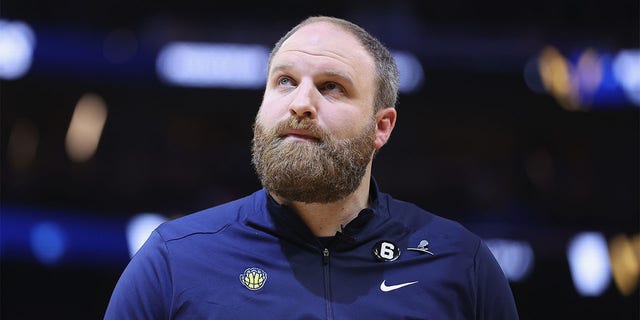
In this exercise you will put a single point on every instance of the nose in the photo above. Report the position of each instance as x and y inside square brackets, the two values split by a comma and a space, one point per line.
[303, 104]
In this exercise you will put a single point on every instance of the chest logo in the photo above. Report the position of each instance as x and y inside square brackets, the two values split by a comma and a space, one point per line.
[385, 288]
[253, 278]
[422, 247]
[385, 251]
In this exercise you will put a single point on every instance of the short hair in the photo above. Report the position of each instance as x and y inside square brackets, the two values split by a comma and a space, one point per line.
[387, 75]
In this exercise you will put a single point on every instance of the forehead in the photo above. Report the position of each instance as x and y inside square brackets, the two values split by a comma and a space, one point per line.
[328, 43]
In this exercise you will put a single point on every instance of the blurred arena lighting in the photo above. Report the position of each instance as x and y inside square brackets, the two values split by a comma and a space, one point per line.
[588, 75]
[139, 229]
[86, 126]
[232, 66]
[624, 253]
[17, 43]
[22, 145]
[48, 242]
[626, 68]
[554, 72]
[244, 66]
[516, 258]
[58, 238]
[411, 72]
[533, 76]
[591, 80]
[588, 259]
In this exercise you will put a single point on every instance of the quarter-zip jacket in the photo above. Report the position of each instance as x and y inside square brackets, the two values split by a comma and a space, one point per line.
[255, 259]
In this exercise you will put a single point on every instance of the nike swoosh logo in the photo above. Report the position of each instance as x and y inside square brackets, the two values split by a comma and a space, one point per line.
[385, 288]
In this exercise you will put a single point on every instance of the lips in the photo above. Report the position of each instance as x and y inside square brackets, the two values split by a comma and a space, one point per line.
[299, 134]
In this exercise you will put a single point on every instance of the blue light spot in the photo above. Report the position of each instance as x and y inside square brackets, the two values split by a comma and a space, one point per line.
[48, 242]
[17, 43]
[588, 257]
[410, 69]
[193, 64]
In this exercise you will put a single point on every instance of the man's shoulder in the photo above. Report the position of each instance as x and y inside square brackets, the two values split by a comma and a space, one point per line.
[210, 220]
[420, 220]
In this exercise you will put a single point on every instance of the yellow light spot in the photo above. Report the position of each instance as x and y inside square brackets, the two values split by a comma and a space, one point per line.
[555, 72]
[86, 127]
[625, 262]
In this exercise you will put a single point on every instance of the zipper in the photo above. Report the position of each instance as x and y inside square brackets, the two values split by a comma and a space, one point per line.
[325, 257]
[327, 283]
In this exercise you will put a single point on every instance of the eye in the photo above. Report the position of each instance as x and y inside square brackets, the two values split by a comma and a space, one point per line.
[285, 82]
[332, 86]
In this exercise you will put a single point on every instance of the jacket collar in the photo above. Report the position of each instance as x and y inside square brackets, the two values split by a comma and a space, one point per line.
[283, 222]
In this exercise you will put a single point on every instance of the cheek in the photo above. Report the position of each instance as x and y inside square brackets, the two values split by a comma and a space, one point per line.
[272, 110]
[343, 125]
[260, 120]
[265, 115]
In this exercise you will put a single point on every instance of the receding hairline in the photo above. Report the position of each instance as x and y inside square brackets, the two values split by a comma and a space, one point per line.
[342, 24]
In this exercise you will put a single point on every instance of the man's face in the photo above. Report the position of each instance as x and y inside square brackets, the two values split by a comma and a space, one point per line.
[314, 133]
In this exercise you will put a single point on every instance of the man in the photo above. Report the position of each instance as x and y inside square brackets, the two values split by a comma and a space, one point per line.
[320, 241]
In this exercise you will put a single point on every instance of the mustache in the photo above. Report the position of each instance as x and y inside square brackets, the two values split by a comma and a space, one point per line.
[305, 124]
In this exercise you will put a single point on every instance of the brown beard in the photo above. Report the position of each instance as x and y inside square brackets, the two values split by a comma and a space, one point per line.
[320, 171]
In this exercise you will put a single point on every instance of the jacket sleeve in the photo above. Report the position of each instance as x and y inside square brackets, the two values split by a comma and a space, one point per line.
[144, 288]
[495, 300]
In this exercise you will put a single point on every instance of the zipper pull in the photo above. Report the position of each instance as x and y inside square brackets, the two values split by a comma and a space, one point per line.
[325, 256]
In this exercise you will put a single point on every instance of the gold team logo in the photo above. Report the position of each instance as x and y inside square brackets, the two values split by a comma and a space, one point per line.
[253, 278]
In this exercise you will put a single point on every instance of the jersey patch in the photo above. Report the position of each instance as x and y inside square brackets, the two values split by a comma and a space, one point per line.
[386, 251]
[253, 278]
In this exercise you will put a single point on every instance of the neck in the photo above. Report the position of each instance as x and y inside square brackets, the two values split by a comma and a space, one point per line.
[325, 219]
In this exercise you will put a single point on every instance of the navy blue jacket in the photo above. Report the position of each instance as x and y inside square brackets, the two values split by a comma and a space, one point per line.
[255, 259]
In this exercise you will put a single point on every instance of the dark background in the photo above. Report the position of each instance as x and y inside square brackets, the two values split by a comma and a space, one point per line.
[474, 144]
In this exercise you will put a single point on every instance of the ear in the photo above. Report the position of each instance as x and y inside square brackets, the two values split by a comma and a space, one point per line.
[385, 121]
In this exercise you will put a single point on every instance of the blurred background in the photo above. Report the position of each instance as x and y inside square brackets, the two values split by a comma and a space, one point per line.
[518, 119]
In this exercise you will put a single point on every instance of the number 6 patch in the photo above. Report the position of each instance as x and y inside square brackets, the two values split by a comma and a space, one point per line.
[386, 251]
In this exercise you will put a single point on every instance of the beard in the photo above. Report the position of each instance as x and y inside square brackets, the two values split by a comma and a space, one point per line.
[322, 170]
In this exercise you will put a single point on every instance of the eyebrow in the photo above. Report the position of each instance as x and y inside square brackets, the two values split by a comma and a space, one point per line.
[328, 72]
